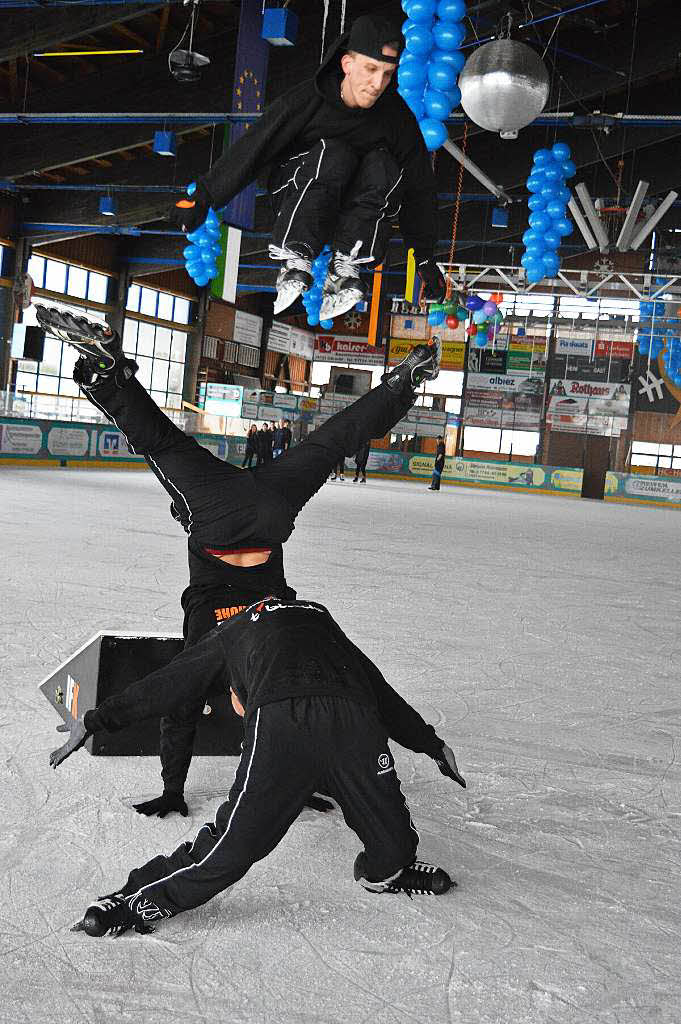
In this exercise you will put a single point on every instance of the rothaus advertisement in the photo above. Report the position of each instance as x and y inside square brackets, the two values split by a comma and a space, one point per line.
[588, 407]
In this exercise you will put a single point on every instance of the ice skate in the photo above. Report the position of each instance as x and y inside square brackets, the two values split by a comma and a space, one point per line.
[419, 879]
[294, 278]
[110, 915]
[97, 342]
[343, 287]
[422, 363]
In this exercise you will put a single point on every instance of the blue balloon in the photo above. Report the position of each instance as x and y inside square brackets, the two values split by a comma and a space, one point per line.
[563, 227]
[561, 151]
[415, 103]
[552, 172]
[534, 275]
[542, 157]
[419, 40]
[551, 262]
[408, 25]
[454, 96]
[312, 320]
[436, 319]
[539, 221]
[202, 279]
[528, 260]
[531, 236]
[412, 75]
[454, 58]
[563, 194]
[537, 247]
[449, 35]
[555, 209]
[451, 10]
[434, 133]
[535, 183]
[188, 251]
[479, 317]
[549, 192]
[551, 239]
[441, 76]
[536, 202]
[569, 168]
[326, 324]
[422, 10]
[437, 104]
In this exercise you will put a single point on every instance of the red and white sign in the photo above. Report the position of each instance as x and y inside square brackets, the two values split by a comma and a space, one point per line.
[330, 348]
[614, 349]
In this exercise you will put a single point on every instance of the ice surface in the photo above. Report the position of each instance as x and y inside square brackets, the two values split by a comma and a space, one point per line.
[540, 635]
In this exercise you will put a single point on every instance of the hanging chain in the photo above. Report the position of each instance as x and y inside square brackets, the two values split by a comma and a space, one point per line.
[457, 208]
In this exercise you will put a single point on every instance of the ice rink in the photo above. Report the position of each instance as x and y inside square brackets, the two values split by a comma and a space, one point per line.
[540, 635]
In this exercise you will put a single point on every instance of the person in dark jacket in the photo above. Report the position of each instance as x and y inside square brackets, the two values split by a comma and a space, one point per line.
[317, 712]
[264, 444]
[251, 447]
[361, 459]
[281, 440]
[439, 464]
[236, 520]
[346, 157]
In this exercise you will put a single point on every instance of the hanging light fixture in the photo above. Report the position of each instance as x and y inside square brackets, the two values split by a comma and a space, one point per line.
[165, 144]
[107, 206]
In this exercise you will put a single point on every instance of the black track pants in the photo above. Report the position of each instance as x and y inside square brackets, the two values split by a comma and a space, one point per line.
[221, 505]
[291, 749]
[332, 194]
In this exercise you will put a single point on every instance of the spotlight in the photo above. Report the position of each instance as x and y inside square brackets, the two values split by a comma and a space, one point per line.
[107, 206]
[164, 143]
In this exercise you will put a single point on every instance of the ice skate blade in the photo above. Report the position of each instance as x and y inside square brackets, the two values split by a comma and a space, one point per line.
[287, 296]
[336, 305]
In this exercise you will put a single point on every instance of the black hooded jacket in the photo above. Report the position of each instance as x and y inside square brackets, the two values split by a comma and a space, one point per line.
[313, 110]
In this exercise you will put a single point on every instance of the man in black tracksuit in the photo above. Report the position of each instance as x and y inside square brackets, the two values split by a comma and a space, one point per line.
[438, 465]
[346, 157]
[236, 520]
[318, 713]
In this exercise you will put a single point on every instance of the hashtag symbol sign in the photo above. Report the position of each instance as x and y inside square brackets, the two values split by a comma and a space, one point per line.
[649, 384]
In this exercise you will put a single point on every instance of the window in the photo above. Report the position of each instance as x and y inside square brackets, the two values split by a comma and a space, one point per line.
[158, 350]
[77, 283]
[660, 457]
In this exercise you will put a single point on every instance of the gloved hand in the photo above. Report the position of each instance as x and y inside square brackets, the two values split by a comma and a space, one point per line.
[446, 762]
[190, 212]
[77, 736]
[434, 283]
[318, 803]
[163, 805]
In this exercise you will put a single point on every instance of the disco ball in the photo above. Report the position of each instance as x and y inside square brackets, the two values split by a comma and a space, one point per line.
[504, 86]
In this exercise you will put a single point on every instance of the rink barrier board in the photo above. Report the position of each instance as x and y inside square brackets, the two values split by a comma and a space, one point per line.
[50, 444]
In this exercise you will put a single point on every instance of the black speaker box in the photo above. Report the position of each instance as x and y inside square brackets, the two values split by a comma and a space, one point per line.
[34, 343]
[109, 662]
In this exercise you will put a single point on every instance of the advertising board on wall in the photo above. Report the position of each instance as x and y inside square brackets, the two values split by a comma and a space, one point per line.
[588, 407]
[247, 328]
[453, 352]
[332, 348]
[511, 401]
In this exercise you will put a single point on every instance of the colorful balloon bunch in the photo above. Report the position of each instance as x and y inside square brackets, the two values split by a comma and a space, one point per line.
[312, 298]
[484, 315]
[430, 64]
[653, 333]
[201, 254]
[549, 221]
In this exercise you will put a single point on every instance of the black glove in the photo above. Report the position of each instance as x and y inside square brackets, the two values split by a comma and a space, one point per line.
[318, 803]
[77, 736]
[163, 805]
[434, 283]
[446, 762]
[190, 212]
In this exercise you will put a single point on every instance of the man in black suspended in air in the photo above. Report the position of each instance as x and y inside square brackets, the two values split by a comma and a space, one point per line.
[345, 157]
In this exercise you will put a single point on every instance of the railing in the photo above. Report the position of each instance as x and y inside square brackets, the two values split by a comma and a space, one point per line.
[37, 405]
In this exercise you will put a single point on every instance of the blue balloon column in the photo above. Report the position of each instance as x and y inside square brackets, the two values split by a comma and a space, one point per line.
[312, 298]
[430, 65]
[549, 221]
[201, 254]
[653, 332]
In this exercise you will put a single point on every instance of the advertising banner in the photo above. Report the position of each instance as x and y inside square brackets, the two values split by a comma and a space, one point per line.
[516, 476]
[453, 352]
[68, 441]
[17, 438]
[631, 487]
[503, 400]
[579, 406]
[247, 328]
[330, 348]
[575, 347]
[614, 349]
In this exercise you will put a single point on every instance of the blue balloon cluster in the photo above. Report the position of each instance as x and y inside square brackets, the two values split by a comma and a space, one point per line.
[430, 64]
[201, 254]
[312, 298]
[549, 221]
[654, 334]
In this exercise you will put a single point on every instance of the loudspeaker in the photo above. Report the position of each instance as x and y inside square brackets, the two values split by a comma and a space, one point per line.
[34, 343]
[107, 664]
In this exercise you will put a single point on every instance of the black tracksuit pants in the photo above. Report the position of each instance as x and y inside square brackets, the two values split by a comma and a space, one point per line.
[291, 748]
[333, 194]
[221, 505]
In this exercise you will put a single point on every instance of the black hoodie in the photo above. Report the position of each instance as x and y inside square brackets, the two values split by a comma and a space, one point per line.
[314, 110]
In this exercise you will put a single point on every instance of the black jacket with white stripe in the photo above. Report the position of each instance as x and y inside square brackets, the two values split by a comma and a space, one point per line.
[272, 651]
[312, 110]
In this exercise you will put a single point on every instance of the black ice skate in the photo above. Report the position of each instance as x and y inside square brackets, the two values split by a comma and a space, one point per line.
[110, 915]
[419, 879]
[343, 287]
[294, 278]
[422, 363]
[100, 347]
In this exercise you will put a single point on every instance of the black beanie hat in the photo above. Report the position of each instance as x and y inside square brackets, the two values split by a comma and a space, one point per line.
[370, 33]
